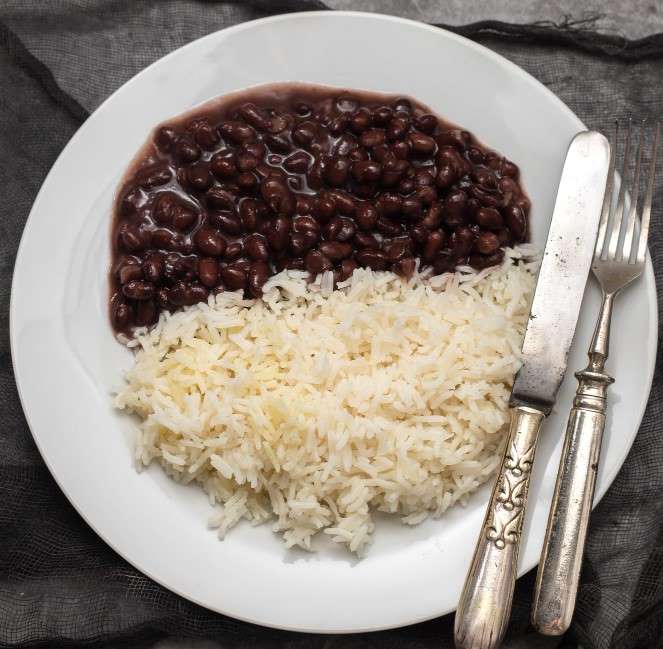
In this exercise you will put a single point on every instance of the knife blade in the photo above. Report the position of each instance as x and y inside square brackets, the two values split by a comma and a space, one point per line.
[485, 603]
[563, 274]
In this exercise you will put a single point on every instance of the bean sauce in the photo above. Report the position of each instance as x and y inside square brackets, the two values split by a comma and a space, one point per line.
[293, 176]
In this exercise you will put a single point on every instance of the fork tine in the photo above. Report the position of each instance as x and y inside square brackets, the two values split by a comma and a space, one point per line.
[618, 216]
[635, 191]
[607, 199]
[646, 207]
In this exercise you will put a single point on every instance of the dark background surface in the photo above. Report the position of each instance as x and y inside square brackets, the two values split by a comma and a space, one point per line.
[60, 585]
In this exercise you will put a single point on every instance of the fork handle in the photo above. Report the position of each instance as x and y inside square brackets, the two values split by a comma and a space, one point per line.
[559, 570]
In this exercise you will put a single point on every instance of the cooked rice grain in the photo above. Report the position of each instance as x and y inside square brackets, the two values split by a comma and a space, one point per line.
[315, 407]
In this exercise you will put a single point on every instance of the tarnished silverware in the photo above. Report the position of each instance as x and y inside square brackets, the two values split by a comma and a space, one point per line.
[485, 604]
[619, 258]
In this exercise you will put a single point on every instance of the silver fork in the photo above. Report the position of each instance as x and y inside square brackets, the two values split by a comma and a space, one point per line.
[619, 258]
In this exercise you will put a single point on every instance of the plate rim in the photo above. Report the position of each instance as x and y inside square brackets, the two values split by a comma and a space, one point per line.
[649, 279]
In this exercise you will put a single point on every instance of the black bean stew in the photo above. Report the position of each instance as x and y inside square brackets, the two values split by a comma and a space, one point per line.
[303, 177]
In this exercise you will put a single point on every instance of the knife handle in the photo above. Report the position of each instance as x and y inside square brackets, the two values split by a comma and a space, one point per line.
[485, 603]
[559, 570]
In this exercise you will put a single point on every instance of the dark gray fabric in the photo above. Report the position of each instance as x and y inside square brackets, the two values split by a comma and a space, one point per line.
[60, 585]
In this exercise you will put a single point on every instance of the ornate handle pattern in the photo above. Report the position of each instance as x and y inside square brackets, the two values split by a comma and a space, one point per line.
[485, 604]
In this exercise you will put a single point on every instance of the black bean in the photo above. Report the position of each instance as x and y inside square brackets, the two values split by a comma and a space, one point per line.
[406, 186]
[476, 155]
[454, 137]
[199, 176]
[138, 289]
[304, 133]
[366, 216]
[335, 250]
[278, 233]
[432, 246]
[316, 262]
[505, 237]
[398, 248]
[388, 227]
[220, 199]
[278, 196]
[132, 201]
[122, 315]
[258, 274]
[485, 197]
[234, 250]
[393, 170]
[366, 240]
[422, 144]
[256, 247]
[298, 162]
[411, 208]
[278, 143]
[397, 128]
[462, 241]
[153, 176]
[237, 132]
[426, 123]
[516, 221]
[132, 237]
[360, 120]
[366, 171]
[487, 243]
[382, 115]
[373, 259]
[343, 202]
[146, 313]
[162, 299]
[163, 239]
[324, 209]
[227, 222]
[445, 262]
[247, 182]
[197, 293]
[401, 149]
[296, 263]
[446, 177]
[433, 217]
[485, 261]
[223, 167]
[165, 138]
[454, 208]
[419, 233]
[209, 242]
[254, 116]
[306, 223]
[426, 194]
[179, 294]
[339, 124]
[204, 133]
[489, 218]
[128, 272]
[347, 230]
[348, 267]
[405, 267]
[485, 177]
[233, 277]
[208, 271]
[509, 169]
[389, 204]
[153, 267]
[372, 137]
[186, 151]
[336, 171]
[248, 214]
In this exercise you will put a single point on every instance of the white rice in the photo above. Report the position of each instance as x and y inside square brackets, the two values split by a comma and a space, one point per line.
[314, 407]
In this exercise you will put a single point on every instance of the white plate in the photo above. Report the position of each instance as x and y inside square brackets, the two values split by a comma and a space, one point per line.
[67, 362]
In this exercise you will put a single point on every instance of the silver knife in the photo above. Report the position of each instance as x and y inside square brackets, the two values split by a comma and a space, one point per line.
[485, 603]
